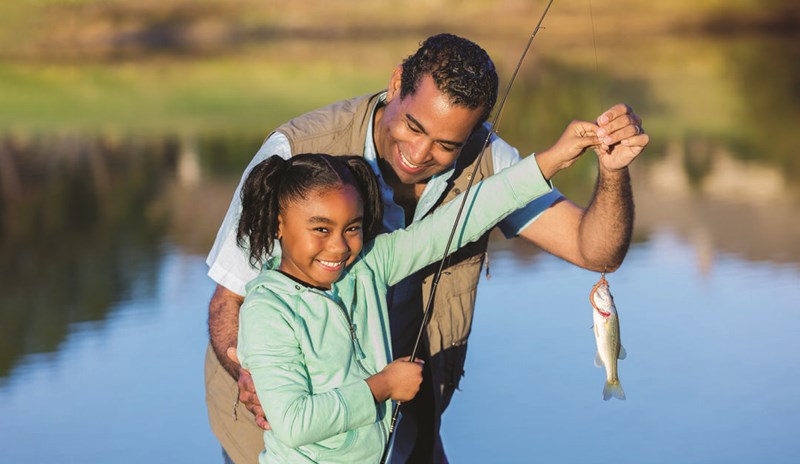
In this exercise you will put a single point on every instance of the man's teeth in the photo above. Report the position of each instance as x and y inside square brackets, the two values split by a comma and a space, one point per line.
[407, 162]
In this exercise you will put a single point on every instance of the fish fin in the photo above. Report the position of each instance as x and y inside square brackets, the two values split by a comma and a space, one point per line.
[622, 353]
[613, 389]
[597, 361]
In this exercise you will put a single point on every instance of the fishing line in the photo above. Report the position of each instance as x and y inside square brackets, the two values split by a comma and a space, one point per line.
[426, 314]
[596, 61]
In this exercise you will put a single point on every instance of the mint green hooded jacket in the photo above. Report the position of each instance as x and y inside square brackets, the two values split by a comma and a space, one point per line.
[310, 353]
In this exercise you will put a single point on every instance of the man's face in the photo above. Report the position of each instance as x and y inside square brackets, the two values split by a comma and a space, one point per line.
[422, 134]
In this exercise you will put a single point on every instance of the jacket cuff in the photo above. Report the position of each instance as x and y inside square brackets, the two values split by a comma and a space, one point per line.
[359, 404]
[526, 180]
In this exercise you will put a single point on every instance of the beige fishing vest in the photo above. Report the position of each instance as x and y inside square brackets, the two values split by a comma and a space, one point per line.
[341, 129]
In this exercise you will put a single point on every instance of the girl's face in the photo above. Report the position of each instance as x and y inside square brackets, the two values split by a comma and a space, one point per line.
[321, 235]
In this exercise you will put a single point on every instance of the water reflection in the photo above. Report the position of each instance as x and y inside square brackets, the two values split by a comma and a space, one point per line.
[78, 234]
[740, 207]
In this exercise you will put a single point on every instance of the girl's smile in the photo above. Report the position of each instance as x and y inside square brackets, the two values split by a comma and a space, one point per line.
[321, 235]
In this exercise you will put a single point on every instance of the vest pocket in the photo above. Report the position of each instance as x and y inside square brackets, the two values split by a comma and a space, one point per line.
[455, 301]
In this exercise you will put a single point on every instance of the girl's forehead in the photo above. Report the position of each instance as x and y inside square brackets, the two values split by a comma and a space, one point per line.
[327, 196]
[332, 191]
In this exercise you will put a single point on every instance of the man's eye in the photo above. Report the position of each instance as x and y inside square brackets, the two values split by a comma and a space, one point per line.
[413, 128]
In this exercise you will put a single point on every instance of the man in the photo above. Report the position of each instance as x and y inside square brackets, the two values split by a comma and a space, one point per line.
[422, 137]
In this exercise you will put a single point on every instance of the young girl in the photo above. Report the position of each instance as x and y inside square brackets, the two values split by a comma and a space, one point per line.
[314, 332]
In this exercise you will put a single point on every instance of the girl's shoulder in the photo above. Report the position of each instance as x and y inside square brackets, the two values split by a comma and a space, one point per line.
[270, 289]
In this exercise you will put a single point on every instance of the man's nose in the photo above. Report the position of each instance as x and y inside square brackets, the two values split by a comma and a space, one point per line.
[420, 150]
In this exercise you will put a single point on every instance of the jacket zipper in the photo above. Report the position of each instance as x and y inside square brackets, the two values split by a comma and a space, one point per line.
[383, 428]
[358, 353]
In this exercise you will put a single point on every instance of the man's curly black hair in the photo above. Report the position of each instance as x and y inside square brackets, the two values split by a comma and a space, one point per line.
[460, 68]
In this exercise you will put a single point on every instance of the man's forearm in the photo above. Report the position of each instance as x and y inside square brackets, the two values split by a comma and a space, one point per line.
[223, 326]
[607, 225]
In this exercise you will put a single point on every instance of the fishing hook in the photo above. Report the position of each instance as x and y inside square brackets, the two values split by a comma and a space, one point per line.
[426, 314]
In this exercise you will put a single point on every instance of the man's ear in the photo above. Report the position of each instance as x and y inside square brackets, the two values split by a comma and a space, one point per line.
[393, 91]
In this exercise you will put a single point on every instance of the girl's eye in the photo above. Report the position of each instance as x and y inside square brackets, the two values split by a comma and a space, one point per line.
[354, 229]
[323, 230]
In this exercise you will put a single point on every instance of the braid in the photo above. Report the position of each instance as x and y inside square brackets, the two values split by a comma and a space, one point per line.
[367, 185]
[261, 192]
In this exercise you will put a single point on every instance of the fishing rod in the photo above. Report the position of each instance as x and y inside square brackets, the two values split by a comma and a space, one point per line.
[426, 314]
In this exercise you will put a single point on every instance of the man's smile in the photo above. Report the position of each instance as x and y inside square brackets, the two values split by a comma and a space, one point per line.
[407, 164]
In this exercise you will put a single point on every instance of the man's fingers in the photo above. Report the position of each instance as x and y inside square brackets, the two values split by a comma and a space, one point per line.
[263, 423]
[613, 113]
[245, 382]
[247, 397]
[256, 410]
[637, 142]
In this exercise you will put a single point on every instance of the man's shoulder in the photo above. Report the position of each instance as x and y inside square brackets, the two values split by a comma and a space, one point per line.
[326, 119]
[339, 128]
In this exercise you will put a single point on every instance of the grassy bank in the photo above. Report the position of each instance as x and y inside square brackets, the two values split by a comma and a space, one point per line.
[194, 66]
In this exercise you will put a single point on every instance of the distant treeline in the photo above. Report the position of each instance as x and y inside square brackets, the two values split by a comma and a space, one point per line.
[88, 29]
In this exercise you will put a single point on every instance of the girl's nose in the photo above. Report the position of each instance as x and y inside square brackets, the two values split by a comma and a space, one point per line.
[338, 244]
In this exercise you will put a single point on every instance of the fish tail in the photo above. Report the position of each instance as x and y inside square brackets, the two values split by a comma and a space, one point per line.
[613, 388]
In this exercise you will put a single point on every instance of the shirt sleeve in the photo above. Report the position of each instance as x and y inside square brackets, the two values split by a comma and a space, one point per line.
[402, 252]
[269, 350]
[504, 156]
[228, 264]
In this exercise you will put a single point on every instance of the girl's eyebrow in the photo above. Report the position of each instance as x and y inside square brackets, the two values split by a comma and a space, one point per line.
[324, 220]
[421, 128]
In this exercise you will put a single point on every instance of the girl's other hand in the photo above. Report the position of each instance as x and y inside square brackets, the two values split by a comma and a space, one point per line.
[400, 380]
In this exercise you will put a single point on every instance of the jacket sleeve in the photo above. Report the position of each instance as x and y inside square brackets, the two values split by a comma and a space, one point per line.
[400, 253]
[269, 350]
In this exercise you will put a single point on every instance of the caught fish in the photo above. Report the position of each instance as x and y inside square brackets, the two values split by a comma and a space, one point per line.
[606, 334]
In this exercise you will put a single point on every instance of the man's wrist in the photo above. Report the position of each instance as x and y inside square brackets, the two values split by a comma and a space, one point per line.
[612, 173]
[231, 367]
[610, 179]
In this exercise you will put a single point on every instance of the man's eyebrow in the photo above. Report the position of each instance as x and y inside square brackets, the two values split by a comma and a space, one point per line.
[421, 128]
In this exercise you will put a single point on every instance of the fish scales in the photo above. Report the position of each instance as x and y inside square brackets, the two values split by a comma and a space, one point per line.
[607, 338]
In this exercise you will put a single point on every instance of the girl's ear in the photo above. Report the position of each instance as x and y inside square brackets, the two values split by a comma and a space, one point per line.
[279, 233]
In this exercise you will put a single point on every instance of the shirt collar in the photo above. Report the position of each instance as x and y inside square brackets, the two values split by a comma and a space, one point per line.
[394, 217]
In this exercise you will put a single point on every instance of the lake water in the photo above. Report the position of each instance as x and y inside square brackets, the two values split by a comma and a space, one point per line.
[104, 294]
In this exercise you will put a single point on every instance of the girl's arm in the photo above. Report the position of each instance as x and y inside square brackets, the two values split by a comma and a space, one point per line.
[298, 416]
[404, 251]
